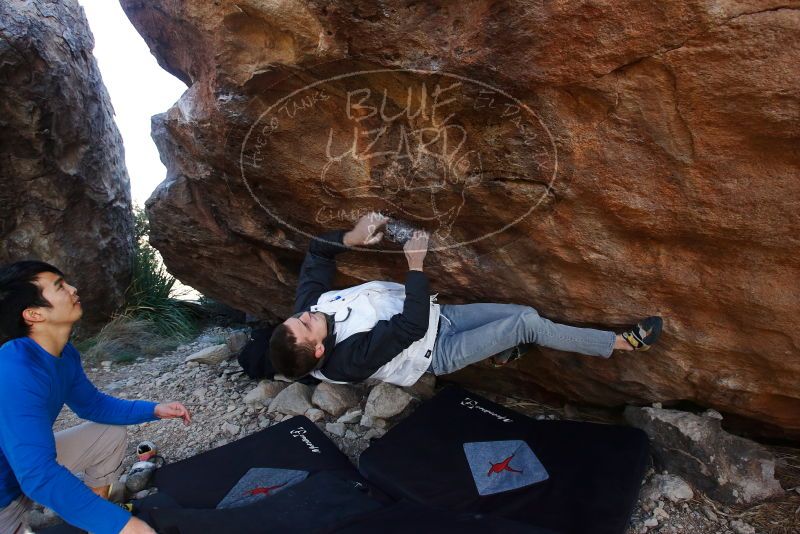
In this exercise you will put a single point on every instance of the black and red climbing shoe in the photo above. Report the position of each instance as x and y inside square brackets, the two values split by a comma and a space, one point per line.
[644, 334]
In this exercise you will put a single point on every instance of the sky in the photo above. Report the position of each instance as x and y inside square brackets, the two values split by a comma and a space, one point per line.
[138, 86]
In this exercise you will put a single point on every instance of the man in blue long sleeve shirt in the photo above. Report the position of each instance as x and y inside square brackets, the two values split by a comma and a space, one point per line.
[40, 371]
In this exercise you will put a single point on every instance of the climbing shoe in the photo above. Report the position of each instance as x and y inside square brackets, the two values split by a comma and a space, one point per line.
[644, 334]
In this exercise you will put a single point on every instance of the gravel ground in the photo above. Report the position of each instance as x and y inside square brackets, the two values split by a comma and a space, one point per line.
[214, 395]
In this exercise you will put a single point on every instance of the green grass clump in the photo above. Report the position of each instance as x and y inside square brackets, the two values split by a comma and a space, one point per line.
[151, 295]
[153, 319]
[124, 339]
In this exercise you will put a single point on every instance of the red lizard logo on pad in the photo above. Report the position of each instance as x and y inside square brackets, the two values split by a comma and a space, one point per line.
[502, 466]
[265, 490]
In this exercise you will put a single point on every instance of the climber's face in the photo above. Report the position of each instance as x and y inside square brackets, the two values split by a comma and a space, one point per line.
[308, 327]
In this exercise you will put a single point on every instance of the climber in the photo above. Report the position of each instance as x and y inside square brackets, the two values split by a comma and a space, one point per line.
[386, 331]
[40, 371]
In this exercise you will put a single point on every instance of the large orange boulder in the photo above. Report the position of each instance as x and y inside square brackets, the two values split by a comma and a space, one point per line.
[600, 161]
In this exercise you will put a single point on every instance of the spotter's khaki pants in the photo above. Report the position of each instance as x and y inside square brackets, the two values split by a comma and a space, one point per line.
[96, 451]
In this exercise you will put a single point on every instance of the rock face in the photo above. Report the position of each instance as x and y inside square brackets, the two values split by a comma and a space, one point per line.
[64, 189]
[730, 469]
[600, 161]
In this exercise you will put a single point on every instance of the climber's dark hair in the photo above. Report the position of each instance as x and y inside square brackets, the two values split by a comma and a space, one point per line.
[290, 358]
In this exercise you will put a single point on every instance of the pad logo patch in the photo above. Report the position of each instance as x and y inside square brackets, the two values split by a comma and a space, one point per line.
[472, 404]
[502, 466]
[499, 466]
[259, 483]
[301, 432]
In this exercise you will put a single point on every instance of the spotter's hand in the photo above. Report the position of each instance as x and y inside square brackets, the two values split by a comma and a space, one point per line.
[173, 410]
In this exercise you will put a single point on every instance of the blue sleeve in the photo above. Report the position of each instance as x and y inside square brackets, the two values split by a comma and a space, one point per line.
[26, 438]
[90, 404]
[319, 267]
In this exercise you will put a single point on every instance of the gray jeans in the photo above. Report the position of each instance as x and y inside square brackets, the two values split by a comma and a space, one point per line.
[469, 333]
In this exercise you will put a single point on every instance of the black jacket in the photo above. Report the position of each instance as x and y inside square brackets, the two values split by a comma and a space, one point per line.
[360, 355]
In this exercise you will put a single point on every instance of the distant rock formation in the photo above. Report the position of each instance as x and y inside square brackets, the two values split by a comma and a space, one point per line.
[600, 161]
[64, 190]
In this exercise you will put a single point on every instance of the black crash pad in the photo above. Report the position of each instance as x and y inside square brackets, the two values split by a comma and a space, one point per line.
[405, 516]
[461, 452]
[276, 472]
[312, 505]
[203, 481]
